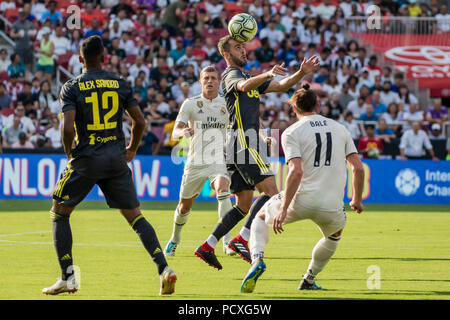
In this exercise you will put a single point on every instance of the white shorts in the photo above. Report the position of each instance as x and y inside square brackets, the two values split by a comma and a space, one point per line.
[329, 222]
[194, 179]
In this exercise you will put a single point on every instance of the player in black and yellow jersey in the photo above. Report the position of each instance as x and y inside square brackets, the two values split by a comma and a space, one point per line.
[92, 108]
[246, 152]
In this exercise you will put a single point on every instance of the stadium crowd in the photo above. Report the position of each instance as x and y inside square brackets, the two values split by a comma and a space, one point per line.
[160, 46]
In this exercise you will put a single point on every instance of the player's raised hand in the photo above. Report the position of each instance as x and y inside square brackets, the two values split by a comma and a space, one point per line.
[278, 221]
[357, 206]
[310, 65]
[277, 70]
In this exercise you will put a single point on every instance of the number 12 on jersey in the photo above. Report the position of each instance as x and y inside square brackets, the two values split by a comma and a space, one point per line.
[319, 149]
[93, 98]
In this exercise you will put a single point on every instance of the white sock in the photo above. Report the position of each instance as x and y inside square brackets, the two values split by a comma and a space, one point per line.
[245, 233]
[259, 237]
[224, 205]
[212, 241]
[321, 254]
[179, 220]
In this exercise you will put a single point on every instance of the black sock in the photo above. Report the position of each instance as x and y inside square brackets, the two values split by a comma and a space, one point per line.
[62, 239]
[228, 222]
[150, 241]
[254, 209]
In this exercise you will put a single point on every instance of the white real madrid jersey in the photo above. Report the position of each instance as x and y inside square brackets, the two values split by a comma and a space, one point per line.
[323, 144]
[209, 119]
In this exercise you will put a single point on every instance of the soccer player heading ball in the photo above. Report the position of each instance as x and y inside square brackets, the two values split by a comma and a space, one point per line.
[95, 102]
[246, 162]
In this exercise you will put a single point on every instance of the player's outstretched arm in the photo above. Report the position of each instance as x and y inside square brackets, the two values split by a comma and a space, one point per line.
[357, 182]
[68, 131]
[307, 66]
[254, 82]
[137, 130]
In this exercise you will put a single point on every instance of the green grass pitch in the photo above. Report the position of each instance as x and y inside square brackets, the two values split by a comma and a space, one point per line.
[409, 244]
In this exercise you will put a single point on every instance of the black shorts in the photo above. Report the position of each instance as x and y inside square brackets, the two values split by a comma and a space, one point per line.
[119, 190]
[246, 174]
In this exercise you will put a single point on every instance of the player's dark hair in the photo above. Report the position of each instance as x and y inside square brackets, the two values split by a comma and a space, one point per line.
[304, 100]
[91, 49]
[224, 44]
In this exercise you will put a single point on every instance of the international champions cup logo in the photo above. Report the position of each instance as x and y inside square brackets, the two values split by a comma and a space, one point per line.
[407, 182]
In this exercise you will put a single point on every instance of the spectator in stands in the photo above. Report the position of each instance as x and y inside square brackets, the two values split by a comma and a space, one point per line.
[61, 44]
[88, 16]
[369, 115]
[125, 24]
[265, 53]
[76, 37]
[46, 98]
[148, 139]
[139, 66]
[360, 61]
[173, 15]
[26, 124]
[352, 83]
[351, 125]
[322, 74]
[52, 14]
[414, 114]
[353, 49]
[21, 32]
[22, 142]
[127, 44]
[331, 85]
[373, 67]
[335, 108]
[26, 95]
[273, 35]
[310, 34]
[387, 96]
[122, 6]
[345, 98]
[443, 19]
[286, 53]
[95, 30]
[365, 80]
[12, 131]
[188, 58]
[5, 61]
[437, 113]
[114, 31]
[357, 107]
[378, 106]
[38, 8]
[326, 10]
[368, 142]
[392, 115]
[412, 143]
[116, 50]
[45, 64]
[406, 97]
[5, 98]
[384, 132]
[377, 85]
[399, 79]
[436, 132]
[178, 51]
[413, 8]
[17, 69]
[334, 30]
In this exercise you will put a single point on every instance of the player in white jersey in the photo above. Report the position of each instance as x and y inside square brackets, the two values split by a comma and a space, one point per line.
[203, 118]
[316, 149]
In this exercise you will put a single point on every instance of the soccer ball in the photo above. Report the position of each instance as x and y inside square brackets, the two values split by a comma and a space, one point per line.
[242, 27]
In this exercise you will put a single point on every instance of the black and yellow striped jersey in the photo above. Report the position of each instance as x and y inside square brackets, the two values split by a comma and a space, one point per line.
[99, 99]
[243, 107]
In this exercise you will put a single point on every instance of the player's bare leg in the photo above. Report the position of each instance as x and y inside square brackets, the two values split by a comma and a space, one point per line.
[150, 241]
[62, 238]
[180, 218]
[267, 189]
[321, 254]
[221, 187]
